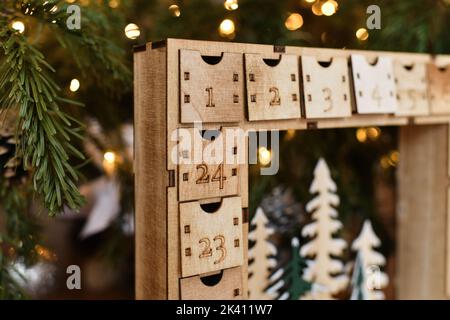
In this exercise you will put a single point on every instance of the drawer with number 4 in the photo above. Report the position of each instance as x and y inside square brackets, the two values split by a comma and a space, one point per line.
[209, 162]
[375, 90]
[211, 236]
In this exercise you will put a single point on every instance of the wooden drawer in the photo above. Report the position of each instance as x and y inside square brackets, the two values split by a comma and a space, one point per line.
[439, 89]
[209, 168]
[375, 90]
[412, 96]
[211, 92]
[211, 241]
[326, 88]
[226, 285]
[273, 92]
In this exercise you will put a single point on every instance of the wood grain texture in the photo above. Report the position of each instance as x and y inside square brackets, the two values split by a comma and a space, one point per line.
[272, 91]
[151, 175]
[374, 86]
[228, 288]
[326, 88]
[439, 88]
[422, 212]
[211, 92]
[211, 241]
[412, 89]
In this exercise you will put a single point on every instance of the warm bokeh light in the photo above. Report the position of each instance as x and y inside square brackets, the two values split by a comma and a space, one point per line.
[329, 8]
[18, 26]
[310, 1]
[361, 135]
[373, 133]
[362, 34]
[132, 31]
[290, 134]
[114, 4]
[317, 8]
[394, 157]
[109, 162]
[175, 10]
[264, 156]
[294, 21]
[226, 28]
[231, 4]
[109, 157]
[74, 85]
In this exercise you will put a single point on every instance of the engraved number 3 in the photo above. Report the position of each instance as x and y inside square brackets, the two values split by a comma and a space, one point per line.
[220, 248]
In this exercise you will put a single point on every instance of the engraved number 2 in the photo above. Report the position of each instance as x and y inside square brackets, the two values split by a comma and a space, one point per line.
[276, 100]
[207, 251]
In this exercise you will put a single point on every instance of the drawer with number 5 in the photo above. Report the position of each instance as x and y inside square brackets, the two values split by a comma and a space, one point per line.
[211, 236]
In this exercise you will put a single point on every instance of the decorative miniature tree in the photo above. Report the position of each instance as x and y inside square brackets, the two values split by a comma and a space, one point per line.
[323, 269]
[288, 281]
[370, 261]
[261, 257]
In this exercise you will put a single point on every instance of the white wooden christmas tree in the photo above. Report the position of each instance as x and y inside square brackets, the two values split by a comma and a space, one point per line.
[324, 269]
[262, 254]
[371, 261]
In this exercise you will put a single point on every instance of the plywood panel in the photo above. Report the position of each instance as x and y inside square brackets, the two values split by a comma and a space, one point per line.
[439, 86]
[422, 212]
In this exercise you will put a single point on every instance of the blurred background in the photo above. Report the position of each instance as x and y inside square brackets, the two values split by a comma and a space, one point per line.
[100, 237]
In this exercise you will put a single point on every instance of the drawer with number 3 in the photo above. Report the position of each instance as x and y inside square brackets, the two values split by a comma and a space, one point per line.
[211, 236]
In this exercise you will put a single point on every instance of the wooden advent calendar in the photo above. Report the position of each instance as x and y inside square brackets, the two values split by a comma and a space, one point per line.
[180, 246]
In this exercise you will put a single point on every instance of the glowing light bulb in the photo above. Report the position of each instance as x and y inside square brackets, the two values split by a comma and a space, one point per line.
[362, 34]
[109, 157]
[328, 8]
[361, 135]
[18, 26]
[132, 31]
[294, 21]
[264, 156]
[226, 28]
[175, 10]
[231, 5]
[74, 85]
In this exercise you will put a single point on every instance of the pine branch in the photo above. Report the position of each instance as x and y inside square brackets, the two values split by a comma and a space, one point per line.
[45, 130]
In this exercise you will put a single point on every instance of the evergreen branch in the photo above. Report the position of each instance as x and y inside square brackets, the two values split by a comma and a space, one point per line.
[44, 129]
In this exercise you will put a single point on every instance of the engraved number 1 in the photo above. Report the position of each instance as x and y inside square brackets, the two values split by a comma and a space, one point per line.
[210, 97]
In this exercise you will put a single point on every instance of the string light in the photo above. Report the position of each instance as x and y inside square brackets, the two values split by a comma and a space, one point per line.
[109, 162]
[294, 21]
[361, 135]
[74, 85]
[113, 4]
[132, 31]
[362, 34]
[231, 5]
[317, 9]
[290, 134]
[394, 157]
[18, 26]
[175, 10]
[329, 8]
[264, 156]
[373, 133]
[226, 28]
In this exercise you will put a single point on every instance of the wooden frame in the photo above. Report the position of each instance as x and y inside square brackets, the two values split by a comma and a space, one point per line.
[423, 191]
